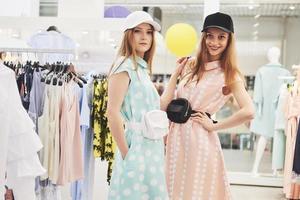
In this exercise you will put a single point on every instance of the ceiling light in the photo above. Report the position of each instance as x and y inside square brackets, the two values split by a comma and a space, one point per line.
[15, 35]
[257, 16]
[251, 7]
[85, 32]
[256, 24]
[292, 7]
[255, 32]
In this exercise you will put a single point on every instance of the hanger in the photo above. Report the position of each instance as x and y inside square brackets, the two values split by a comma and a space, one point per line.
[51, 69]
[72, 69]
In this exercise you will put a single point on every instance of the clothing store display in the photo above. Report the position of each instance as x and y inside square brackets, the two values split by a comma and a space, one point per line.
[195, 164]
[20, 141]
[104, 145]
[48, 128]
[83, 189]
[36, 98]
[52, 40]
[290, 188]
[264, 98]
[45, 189]
[24, 77]
[71, 163]
[141, 174]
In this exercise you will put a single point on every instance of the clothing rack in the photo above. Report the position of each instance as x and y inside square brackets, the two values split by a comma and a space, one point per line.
[33, 50]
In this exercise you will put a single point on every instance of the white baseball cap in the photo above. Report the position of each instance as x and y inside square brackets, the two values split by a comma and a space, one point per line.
[138, 17]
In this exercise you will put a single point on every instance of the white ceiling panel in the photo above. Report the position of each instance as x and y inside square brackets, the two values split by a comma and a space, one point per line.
[234, 8]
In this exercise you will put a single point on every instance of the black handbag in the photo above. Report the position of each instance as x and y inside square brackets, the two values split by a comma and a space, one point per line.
[179, 111]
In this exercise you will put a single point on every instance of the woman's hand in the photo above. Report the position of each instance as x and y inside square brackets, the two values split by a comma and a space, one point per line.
[204, 120]
[180, 63]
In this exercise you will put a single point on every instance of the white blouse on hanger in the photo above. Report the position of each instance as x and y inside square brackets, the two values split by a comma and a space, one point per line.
[19, 142]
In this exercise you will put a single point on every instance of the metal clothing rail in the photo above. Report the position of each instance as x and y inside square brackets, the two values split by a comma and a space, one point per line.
[32, 50]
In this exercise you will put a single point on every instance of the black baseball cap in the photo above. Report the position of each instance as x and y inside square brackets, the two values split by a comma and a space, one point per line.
[218, 20]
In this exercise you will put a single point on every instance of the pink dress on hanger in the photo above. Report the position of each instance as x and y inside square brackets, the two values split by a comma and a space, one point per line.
[71, 160]
[291, 190]
[195, 163]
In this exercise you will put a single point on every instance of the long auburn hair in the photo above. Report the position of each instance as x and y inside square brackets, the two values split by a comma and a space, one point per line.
[127, 50]
[228, 61]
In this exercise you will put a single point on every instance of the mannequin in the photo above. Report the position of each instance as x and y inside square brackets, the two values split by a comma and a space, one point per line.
[274, 55]
[264, 121]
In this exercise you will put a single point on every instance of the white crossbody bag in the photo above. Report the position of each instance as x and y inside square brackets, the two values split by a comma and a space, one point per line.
[155, 124]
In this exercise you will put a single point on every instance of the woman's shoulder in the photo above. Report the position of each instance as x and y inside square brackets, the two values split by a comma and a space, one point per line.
[122, 64]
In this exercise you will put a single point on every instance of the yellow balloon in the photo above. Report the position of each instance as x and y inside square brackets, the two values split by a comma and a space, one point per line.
[181, 39]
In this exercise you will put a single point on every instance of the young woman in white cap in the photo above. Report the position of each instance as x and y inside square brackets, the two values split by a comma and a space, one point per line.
[138, 172]
[195, 163]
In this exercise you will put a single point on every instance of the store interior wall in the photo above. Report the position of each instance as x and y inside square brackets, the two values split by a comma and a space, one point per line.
[98, 42]
[292, 42]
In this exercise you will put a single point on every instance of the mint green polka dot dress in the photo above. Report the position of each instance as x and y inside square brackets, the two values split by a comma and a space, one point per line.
[140, 176]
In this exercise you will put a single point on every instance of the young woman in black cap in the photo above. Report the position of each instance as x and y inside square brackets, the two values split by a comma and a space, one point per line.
[195, 163]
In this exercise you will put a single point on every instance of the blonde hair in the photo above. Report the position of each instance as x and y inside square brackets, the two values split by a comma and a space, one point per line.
[228, 61]
[127, 50]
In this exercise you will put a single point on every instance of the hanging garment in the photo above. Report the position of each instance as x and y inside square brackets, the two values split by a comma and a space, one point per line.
[290, 188]
[104, 146]
[195, 163]
[141, 174]
[264, 98]
[49, 132]
[3, 143]
[83, 189]
[52, 40]
[89, 160]
[45, 190]
[36, 98]
[71, 163]
[22, 164]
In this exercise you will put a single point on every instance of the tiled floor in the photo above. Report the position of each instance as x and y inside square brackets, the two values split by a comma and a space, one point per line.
[242, 161]
[256, 193]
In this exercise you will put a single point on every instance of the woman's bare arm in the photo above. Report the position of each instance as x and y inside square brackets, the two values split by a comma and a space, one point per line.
[117, 88]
